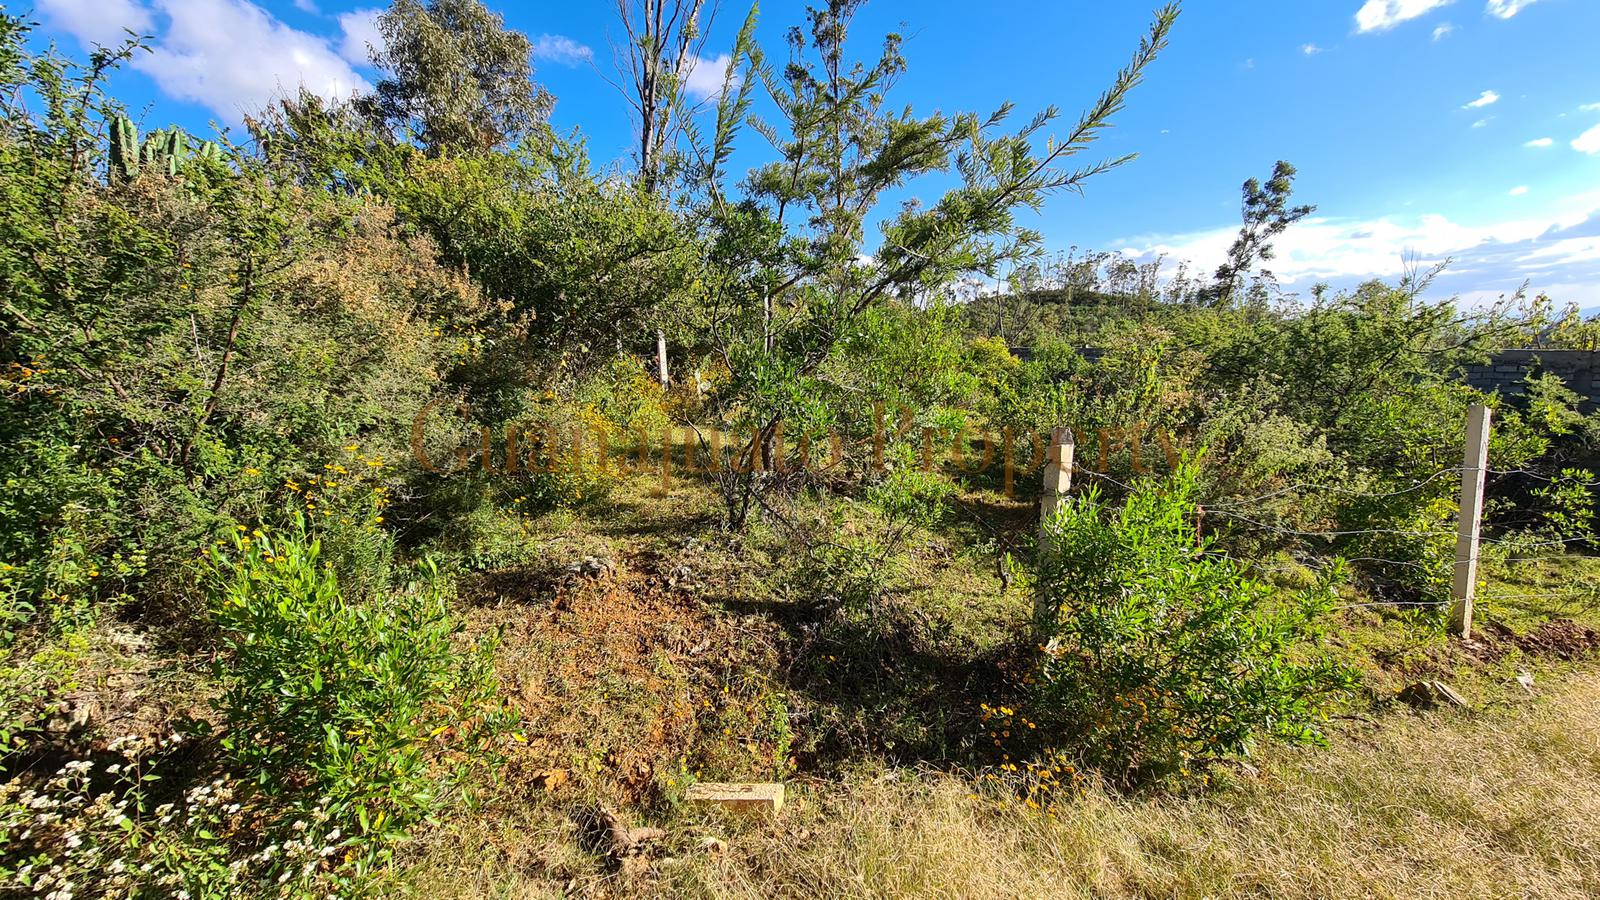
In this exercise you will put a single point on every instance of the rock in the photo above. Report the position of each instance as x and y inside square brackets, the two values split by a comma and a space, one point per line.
[1432, 694]
[680, 575]
[1526, 680]
[591, 567]
[764, 797]
[1449, 695]
[550, 779]
[70, 719]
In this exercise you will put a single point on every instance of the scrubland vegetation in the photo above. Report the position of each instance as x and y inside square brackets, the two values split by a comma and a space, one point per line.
[352, 545]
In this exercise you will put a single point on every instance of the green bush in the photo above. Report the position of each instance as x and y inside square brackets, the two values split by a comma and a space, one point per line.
[367, 714]
[909, 493]
[1161, 654]
[1566, 506]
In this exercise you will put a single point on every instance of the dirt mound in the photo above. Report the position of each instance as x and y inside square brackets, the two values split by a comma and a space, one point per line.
[1561, 639]
[624, 683]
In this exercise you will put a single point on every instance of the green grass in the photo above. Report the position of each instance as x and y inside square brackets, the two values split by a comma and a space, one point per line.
[635, 688]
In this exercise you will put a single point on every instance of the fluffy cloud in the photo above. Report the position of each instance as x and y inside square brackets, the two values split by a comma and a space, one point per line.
[705, 77]
[1560, 246]
[1518, 191]
[1539, 142]
[1440, 31]
[230, 56]
[1588, 142]
[360, 30]
[97, 21]
[561, 50]
[1484, 99]
[1505, 9]
[233, 57]
[1380, 15]
[1311, 49]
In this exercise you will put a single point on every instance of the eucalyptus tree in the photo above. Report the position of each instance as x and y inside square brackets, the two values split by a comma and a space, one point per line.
[455, 78]
[664, 42]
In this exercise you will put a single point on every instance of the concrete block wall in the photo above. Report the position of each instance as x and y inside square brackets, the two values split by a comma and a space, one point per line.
[1504, 372]
[1506, 369]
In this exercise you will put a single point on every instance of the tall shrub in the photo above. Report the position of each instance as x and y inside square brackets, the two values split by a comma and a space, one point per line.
[1160, 654]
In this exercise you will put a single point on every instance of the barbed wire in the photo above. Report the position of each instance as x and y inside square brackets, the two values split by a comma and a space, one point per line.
[1567, 558]
[1334, 488]
[1539, 476]
[1410, 603]
[1563, 595]
[1390, 562]
[1351, 532]
[1226, 510]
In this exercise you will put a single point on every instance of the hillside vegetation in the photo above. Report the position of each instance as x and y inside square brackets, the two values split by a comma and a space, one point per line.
[353, 543]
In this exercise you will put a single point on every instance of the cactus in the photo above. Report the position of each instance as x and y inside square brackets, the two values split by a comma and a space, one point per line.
[163, 150]
[175, 150]
[124, 148]
[153, 151]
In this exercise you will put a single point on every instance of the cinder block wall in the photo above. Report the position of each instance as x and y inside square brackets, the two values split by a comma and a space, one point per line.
[1505, 371]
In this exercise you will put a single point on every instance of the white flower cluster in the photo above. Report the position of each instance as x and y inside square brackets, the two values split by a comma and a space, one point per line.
[90, 830]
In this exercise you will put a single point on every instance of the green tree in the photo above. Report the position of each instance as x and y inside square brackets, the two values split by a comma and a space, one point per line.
[456, 78]
[664, 44]
[1266, 213]
[790, 271]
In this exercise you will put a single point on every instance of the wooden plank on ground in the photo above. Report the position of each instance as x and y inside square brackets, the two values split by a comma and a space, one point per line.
[764, 797]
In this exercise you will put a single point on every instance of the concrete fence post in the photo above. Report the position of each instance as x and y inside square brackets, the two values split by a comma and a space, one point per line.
[1057, 480]
[1469, 520]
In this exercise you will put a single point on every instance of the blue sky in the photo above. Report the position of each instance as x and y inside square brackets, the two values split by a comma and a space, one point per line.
[1467, 129]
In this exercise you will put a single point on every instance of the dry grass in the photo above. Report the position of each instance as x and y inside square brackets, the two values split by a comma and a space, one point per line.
[1504, 803]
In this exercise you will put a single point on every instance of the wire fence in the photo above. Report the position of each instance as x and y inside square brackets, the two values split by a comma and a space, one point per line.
[1243, 513]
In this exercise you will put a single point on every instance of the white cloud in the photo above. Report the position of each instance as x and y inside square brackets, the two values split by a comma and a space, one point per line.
[1539, 142]
[1381, 15]
[1484, 99]
[1505, 9]
[1440, 31]
[1518, 191]
[97, 21]
[1482, 122]
[1590, 107]
[307, 6]
[360, 29]
[230, 56]
[1588, 142]
[1311, 49]
[234, 57]
[561, 50]
[704, 78]
[1564, 240]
